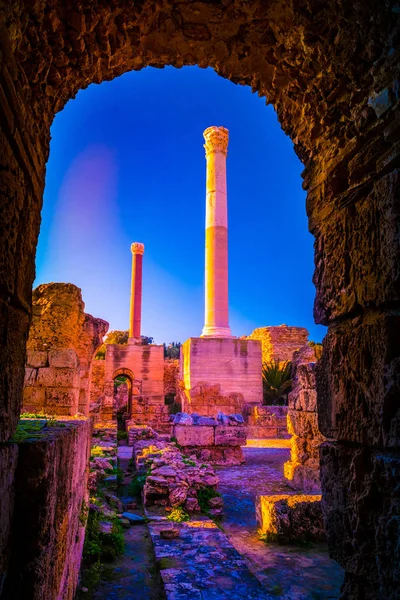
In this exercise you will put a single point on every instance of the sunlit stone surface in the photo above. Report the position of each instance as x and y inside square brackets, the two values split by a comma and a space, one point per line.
[216, 321]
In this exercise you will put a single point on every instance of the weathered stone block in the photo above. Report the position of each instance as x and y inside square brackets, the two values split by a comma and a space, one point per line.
[230, 436]
[358, 381]
[63, 357]
[8, 463]
[13, 332]
[365, 268]
[36, 359]
[34, 399]
[64, 377]
[61, 401]
[30, 376]
[303, 424]
[304, 400]
[47, 533]
[288, 518]
[305, 477]
[194, 435]
[280, 342]
[361, 505]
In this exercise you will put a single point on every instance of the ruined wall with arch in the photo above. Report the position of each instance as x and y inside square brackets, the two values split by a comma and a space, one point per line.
[331, 70]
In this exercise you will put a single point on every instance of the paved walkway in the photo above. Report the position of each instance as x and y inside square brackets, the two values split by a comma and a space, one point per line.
[287, 572]
[201, 564]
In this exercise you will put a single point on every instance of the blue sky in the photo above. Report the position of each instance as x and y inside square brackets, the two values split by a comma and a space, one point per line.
[127, 164]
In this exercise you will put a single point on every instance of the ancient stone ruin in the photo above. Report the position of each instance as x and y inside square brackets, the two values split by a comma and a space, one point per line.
[331, 71]
[218, 441]
[281, 342]
[60, 349]
[302, 470]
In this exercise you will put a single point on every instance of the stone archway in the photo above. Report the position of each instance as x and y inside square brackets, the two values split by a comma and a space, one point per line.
[134, 390]
[331, 70]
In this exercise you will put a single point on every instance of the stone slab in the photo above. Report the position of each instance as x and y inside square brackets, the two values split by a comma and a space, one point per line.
[194, 435]
[230, 436]
[63, 357]
[286, 518]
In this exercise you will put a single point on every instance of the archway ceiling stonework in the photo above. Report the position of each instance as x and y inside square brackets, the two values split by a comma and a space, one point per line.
[331, 70]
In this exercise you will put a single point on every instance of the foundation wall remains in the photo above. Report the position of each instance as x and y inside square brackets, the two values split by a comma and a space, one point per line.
[220, 375]
[45, 540]
[217, 441]
[60, 348]
[267, 422]
[279, 343]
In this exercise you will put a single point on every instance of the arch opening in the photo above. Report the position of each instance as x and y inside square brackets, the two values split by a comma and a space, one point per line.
[332, 74]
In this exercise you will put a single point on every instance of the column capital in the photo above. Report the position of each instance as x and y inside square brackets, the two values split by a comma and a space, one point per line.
[137, 248]
[216, 139]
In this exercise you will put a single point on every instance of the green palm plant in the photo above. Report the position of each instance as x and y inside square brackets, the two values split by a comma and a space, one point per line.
[276, 377]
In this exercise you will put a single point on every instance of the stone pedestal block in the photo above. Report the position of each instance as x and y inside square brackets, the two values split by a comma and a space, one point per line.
[232, 364]
[194, 436]
[284, 518]
[230, 436]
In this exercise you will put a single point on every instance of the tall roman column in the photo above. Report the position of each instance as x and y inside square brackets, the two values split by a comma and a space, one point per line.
[216, 322]
[137, 250]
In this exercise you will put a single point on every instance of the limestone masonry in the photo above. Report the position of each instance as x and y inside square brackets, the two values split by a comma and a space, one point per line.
[279, 342]
[60, 349]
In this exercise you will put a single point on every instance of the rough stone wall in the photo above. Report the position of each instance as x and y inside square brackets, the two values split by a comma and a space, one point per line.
[331, 71]
[279, 343]
[60, 348]
[97, 379]
[171, 376]
[47, 530]
[8, 463]
[302, 470]
[266, 421]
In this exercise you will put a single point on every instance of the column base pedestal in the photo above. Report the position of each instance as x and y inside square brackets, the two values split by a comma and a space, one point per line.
[216, 332]
[220, 375]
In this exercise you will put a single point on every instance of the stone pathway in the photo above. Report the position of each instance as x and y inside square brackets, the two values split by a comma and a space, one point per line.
[132, 576]
[201, 564]
[286, 572]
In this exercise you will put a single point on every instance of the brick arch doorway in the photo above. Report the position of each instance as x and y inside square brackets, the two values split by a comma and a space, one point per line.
[134, 396]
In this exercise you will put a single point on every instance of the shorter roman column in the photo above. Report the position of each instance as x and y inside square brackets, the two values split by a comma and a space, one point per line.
[137, 250]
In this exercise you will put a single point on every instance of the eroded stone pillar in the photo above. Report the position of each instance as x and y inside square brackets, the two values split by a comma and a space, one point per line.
[136, 291]
[216, 322]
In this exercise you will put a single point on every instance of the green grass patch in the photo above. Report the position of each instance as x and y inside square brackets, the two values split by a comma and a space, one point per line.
[136, 485]
[204, 495]
[99, 546]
